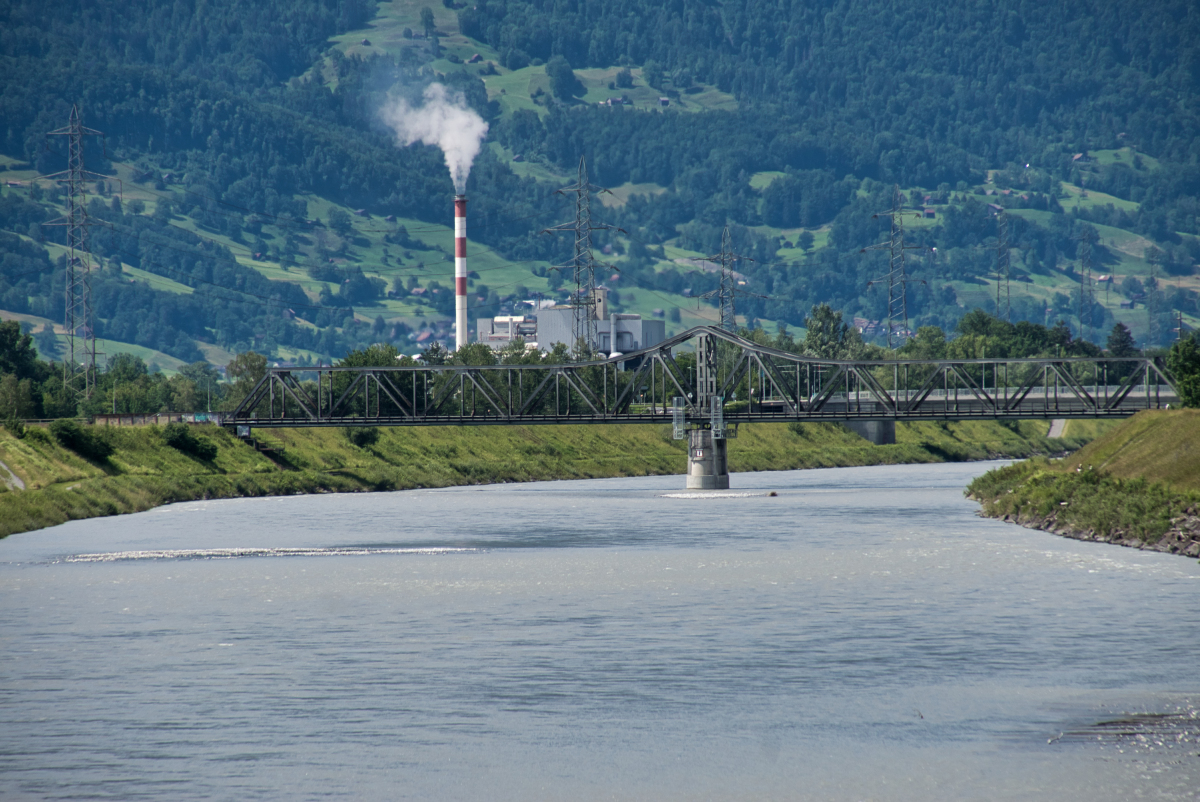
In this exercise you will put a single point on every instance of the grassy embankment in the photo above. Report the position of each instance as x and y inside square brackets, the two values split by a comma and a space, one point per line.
[145, 472]
[1137, 485]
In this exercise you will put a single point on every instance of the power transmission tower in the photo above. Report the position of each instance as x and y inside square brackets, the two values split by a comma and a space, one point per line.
[1087, 293]
[1152, 333]
[1003, 297]
[728, 287]
[584, 322]
[897, 276]
[79, 365]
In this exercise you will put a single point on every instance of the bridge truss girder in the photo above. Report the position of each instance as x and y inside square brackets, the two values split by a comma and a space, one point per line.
[752, 382]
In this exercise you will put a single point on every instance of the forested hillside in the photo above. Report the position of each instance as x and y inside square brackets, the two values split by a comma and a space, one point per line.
[254, 198]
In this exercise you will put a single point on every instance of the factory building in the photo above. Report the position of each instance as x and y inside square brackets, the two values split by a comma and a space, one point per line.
[498, 332]
[545, 328]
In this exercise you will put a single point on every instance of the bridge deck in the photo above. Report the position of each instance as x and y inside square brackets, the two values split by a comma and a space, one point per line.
[667, 384]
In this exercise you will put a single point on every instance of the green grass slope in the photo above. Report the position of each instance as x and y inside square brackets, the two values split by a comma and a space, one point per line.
[1158, 446]
[43, 484]
[1136, 485]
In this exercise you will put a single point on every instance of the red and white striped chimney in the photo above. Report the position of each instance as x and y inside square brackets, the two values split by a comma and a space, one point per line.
[460, 271]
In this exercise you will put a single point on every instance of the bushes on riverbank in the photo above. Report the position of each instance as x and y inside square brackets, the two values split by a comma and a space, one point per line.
[1040, 494]
[82, 440]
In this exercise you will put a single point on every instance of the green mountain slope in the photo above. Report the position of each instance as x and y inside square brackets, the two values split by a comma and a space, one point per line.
[256, 201]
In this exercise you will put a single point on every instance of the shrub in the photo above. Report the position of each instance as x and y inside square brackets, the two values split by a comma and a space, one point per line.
[179, 436]
[38, 435]
[83, 442]
[362, 436]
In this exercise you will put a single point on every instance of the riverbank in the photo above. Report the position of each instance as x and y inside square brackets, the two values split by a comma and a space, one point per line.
[1137, 485]
[44, 484]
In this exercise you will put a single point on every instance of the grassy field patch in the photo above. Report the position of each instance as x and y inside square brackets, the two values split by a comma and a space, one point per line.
[761, 181]
[617, 197]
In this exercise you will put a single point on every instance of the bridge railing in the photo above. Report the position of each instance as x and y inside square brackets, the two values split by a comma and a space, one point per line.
[753, 382]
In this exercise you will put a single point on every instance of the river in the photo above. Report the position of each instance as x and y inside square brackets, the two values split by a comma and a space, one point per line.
[861, 635]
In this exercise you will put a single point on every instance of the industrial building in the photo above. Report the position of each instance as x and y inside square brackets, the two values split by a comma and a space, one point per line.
[545, 328]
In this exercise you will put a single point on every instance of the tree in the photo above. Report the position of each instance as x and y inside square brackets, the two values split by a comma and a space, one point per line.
[47, 343]
[435, 354]
[380, 355]
[474, 354]
[17, 354]
[246, 370]
[16, 398]
[563, 83]
[624, 79]
[930, 343]
[427, 21]
[126, 368]
[805, 241]
[1184, 361]
[339, 221]
[1120, 342]
[830, 337]
[652, 72]
[1060, 335]
[184, 397]
[197, 388]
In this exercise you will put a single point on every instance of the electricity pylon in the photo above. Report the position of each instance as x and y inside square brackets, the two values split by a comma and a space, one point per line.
[727, 288]
[583, 265]
[1003, 297]
[897, 276]
[1152, 334]
[1087, 293]
[79, 365]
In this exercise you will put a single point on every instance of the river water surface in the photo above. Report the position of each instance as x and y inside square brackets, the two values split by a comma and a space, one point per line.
[861, 635]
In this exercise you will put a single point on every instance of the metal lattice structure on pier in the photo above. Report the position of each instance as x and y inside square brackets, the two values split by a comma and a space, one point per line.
[677, 381]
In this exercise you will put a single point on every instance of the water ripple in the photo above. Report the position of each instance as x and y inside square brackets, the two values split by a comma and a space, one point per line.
[229, 554]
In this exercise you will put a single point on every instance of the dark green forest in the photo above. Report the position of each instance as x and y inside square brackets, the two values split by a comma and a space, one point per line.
[233, 117]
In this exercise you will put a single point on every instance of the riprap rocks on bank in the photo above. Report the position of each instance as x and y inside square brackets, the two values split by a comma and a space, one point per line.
[1183, 536]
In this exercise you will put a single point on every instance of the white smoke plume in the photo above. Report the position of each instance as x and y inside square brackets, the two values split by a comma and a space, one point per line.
[445, 120]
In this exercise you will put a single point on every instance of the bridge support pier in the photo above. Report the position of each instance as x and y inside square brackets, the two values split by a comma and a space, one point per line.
[708, 468]
[879, 432]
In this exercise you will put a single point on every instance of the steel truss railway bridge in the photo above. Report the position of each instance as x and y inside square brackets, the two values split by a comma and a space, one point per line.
[704, 382]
